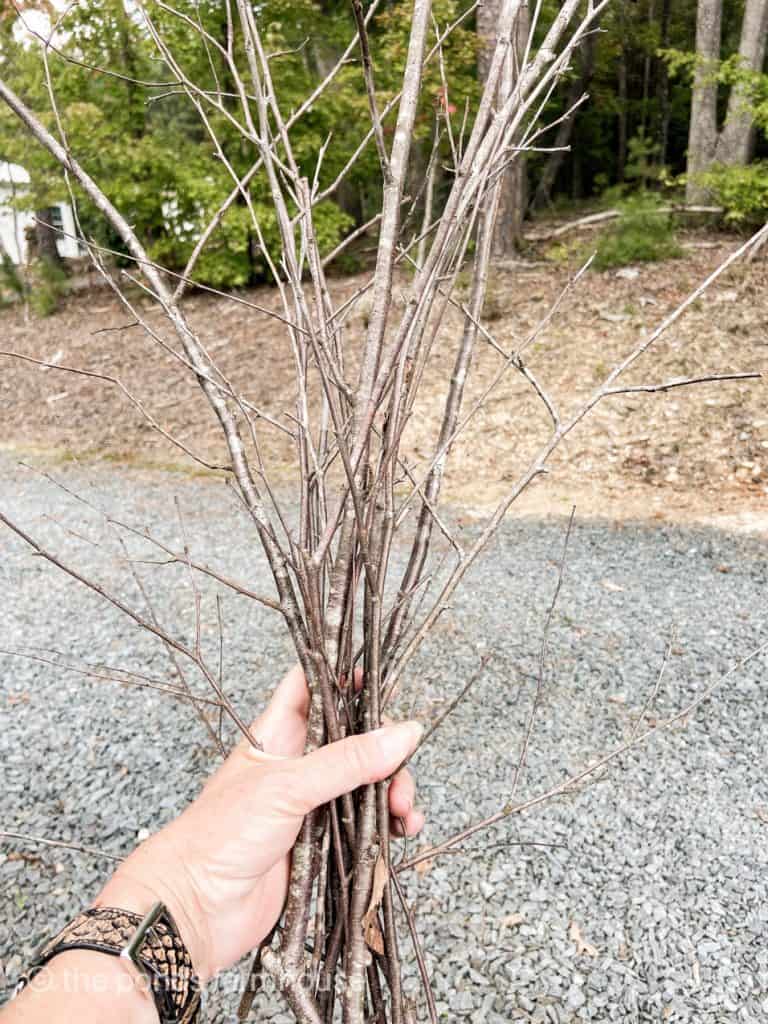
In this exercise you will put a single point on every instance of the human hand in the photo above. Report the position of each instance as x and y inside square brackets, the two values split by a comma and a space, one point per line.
[222, 867]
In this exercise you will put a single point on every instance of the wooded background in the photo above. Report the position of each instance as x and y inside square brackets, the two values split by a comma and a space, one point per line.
[399, 153]
[678, 100]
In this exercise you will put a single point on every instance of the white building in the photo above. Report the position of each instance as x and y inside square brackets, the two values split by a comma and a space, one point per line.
[14, 222]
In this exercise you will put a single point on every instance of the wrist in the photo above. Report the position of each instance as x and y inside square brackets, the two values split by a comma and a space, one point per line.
[85, 985]
[154, 874]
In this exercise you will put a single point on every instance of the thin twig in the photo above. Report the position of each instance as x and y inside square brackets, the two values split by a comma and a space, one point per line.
[542, 661]
[592, 769]
[91, 851]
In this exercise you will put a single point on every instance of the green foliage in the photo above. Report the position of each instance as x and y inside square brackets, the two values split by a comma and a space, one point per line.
[12, 284]
[147, 146]
[42, 285]
[753, 88]
[742, 191]
[642, 159]
[680, 63]
[149, 150]
[48, 285]
[643, 233]
[731, 73]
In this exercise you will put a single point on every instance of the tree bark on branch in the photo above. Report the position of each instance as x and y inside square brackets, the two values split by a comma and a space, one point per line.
[330, 554]
[512, 202]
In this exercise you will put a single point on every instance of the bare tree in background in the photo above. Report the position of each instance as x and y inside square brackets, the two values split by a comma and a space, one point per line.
[579, 88]
[737, 139]
[338, 951]
[733, 145]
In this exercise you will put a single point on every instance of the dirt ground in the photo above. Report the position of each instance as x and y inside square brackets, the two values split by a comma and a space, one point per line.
[690, 454]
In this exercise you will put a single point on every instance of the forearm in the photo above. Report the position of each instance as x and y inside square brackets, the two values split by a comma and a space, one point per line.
[84, 986]
[217, 876]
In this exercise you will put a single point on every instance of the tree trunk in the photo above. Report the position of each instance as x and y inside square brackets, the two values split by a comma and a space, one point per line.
[508, 235]
[487, 20]
[579, 86]
[621, 157]
[663, 88]
[647, 69]
[737, 138]
[702, 132]
[45, 236]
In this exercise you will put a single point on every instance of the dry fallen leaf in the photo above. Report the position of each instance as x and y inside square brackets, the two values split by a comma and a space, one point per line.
[512, 920]
[424, 866]
[761, 813]
[27, 858]
[611, 586]
[373, 937]
[583, 948]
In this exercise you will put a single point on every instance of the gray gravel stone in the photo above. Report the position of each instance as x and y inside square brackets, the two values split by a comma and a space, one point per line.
[662, 863]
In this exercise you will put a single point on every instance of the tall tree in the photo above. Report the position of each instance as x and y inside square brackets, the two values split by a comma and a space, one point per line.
[514, 194]
[663, 83]
[578, 87]
[737, 138]
[702, 132]
[622, 95]
[733, 145]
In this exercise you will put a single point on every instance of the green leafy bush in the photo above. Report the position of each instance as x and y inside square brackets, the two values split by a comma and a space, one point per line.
[157, 161]
[12, 284]
[48, 287]
[741, 191]
[643, 233]
[43, 284]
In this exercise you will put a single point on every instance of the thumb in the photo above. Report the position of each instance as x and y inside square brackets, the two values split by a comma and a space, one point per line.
[356, 761]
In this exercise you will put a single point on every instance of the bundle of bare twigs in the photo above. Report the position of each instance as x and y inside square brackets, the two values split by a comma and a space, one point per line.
[338, 948]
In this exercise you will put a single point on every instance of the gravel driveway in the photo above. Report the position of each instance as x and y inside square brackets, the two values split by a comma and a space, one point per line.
[642, 897]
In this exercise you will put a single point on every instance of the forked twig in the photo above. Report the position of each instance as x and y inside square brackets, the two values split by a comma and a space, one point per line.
[572, 781]
[331, 550]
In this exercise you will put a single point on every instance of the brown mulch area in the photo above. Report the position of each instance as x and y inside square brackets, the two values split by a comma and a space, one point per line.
[691, 453]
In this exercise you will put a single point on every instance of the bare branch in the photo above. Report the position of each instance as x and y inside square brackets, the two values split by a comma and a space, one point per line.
[680, 382]
[60, 844]
[137, 618]
[595, 766]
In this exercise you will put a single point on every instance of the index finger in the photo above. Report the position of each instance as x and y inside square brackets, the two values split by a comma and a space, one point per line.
[282, 728]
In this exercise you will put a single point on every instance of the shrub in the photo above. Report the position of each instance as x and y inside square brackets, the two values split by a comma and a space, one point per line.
[643, 233]
[11, 280]
[741, 191]
[48, 286]
[42, 285]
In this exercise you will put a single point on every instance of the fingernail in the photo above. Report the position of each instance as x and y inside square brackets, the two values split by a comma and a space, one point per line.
[398, 741]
